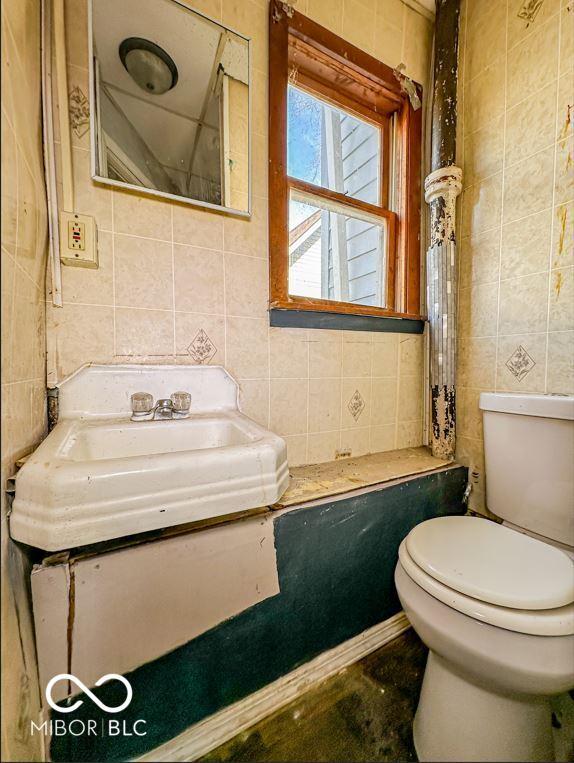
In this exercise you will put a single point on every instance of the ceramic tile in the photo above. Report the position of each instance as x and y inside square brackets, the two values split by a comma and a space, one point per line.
[200, 339]
[85, 334]
[388, 42]
[560, 375]
[254, 400]
[539, 109]
[9, 188]
[477, 309]
[198, 281]
[141, 216]
[89, 197]
[384, 408]
[328, 13]
[566, 39]
[483, 151]
[358, 26]
[483, 98]
[382, 438]
[196, 227]
[485, 23]
[565, 106]
[411, 393]
[479, 258]
[288, 353]
[476, 362]
[324, 405]
[410, 354]
[356, 358]
[143, 273]
[322, 447]
[384, 358]
[325, 354]
[521, 363]
[247, 344]
[525, 245]
[288, 406]
[357, 441]
[89, 286]
[296, 449]
[533, 62]
[144, 333]
[564, 176]
[481, 206]
[246, 286]
[355, 403]
[409, 434]
[416, 46]
[563, 236]
[523, 304]
[528, 186]
[247, 236]
[526, 18]
[469, 415]
[561, 296]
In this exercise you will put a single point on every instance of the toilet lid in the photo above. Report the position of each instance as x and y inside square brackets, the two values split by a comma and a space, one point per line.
[492, 563]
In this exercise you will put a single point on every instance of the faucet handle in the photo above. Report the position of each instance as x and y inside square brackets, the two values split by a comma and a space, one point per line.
[181, 403]
[142, 405]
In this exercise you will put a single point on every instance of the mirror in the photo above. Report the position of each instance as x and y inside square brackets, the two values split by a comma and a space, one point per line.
[170, 110]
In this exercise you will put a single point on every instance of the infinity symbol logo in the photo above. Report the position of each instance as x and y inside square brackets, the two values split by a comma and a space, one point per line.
[91, 695]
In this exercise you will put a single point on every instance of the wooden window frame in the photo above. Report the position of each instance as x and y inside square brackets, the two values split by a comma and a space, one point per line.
[338, 72]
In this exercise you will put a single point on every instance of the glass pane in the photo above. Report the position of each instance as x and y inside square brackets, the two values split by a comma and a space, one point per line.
[333, 255]
[329, 147]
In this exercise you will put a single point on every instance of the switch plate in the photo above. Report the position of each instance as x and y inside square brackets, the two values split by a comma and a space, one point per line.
[78, 245]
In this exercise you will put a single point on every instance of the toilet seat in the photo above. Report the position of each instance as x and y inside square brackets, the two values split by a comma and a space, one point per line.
[492, 563]
[541, 622]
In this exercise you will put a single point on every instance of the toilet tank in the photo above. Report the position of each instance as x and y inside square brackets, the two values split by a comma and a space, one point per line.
[529, 461]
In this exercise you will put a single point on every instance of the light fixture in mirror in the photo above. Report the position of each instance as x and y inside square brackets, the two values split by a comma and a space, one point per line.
[170, 103]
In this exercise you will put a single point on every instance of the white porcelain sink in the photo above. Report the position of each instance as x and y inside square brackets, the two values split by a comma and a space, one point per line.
[99, 475]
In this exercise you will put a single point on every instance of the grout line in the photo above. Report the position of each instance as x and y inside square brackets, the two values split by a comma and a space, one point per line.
[501, 199]
[555, 170]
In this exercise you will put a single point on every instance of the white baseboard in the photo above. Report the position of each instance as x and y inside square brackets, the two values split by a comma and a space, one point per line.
[208, 734]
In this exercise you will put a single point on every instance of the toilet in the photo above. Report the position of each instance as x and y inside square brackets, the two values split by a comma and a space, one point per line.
[494, 602]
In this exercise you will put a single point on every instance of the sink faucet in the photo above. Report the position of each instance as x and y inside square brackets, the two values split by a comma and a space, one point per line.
[175, 407]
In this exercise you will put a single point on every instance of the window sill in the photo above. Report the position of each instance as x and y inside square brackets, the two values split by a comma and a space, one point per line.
[312, 319]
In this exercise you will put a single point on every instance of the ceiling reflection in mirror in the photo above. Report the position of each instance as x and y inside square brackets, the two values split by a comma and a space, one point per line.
[171, 112]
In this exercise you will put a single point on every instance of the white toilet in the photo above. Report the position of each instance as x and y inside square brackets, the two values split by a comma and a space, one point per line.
[495, 602]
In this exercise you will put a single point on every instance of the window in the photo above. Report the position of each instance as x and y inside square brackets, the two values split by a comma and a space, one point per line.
[344, 176]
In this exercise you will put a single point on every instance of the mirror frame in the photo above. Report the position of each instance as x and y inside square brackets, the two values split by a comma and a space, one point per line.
[94, 135]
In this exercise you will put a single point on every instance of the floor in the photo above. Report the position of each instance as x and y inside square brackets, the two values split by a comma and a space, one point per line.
[362, 714]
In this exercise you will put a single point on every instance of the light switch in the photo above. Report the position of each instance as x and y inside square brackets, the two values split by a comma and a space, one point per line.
[78, 245]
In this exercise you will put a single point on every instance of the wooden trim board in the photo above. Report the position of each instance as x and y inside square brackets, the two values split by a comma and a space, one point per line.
[219, 728]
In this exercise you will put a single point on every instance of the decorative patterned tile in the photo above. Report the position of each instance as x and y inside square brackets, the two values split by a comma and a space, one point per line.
[356, 405]
[79, 112]
[202, 349]
[520, 363]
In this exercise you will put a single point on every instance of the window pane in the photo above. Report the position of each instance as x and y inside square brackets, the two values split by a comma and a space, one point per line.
[333, 255]
[329, 147]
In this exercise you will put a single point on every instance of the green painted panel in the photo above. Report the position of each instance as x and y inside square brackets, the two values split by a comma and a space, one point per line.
[335, 563]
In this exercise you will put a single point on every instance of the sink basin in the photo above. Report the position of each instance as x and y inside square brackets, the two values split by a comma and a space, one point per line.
[98, 475]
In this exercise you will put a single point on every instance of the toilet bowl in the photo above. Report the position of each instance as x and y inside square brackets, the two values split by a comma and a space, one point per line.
[495, 605]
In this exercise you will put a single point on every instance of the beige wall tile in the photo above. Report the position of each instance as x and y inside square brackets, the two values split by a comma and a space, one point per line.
[322, 447]
[9, 188]
[325, 354]
[141, 216]
[565, 106]
[254, 400]
[84, 334]
[560, 375]
[196, 227]
[476, 362]
[243, 236]
[358, 25]
[525, 378]
[561, 296]
[519, 27]
[89, 286]
[356, 358]
[246, 286]
[410, 398]
[328, 13]
[388, 42]
[528, 186]
[200, 339]
[382, 438]
[357, 441]
[532, 63]
[539, 109]
[483, 151]
[296, 449]
[324, 405]
[143, 272]
[247, 343]
[525, 245]
[563, 235]
[144, 333]
[198, 279]
[409, 434]
[478, 310]
[483, 98]
[411, 354]
[485, 22]
[564, 177]
[566, 40]
[355, 403]
[469, 416]
[384, 409]
[523, 304]
[479, 258]
[288, 353]
[481, 206]
[385, 355]
[89, 197]
[288, 406]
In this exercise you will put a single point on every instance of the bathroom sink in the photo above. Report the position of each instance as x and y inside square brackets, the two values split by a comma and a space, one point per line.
[98, 475]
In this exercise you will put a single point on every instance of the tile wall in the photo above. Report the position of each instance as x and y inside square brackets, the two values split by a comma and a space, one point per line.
[180, 285]
[516, 288]
[23, 258]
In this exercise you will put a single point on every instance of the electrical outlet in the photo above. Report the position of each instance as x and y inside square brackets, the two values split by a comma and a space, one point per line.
[78, 245]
